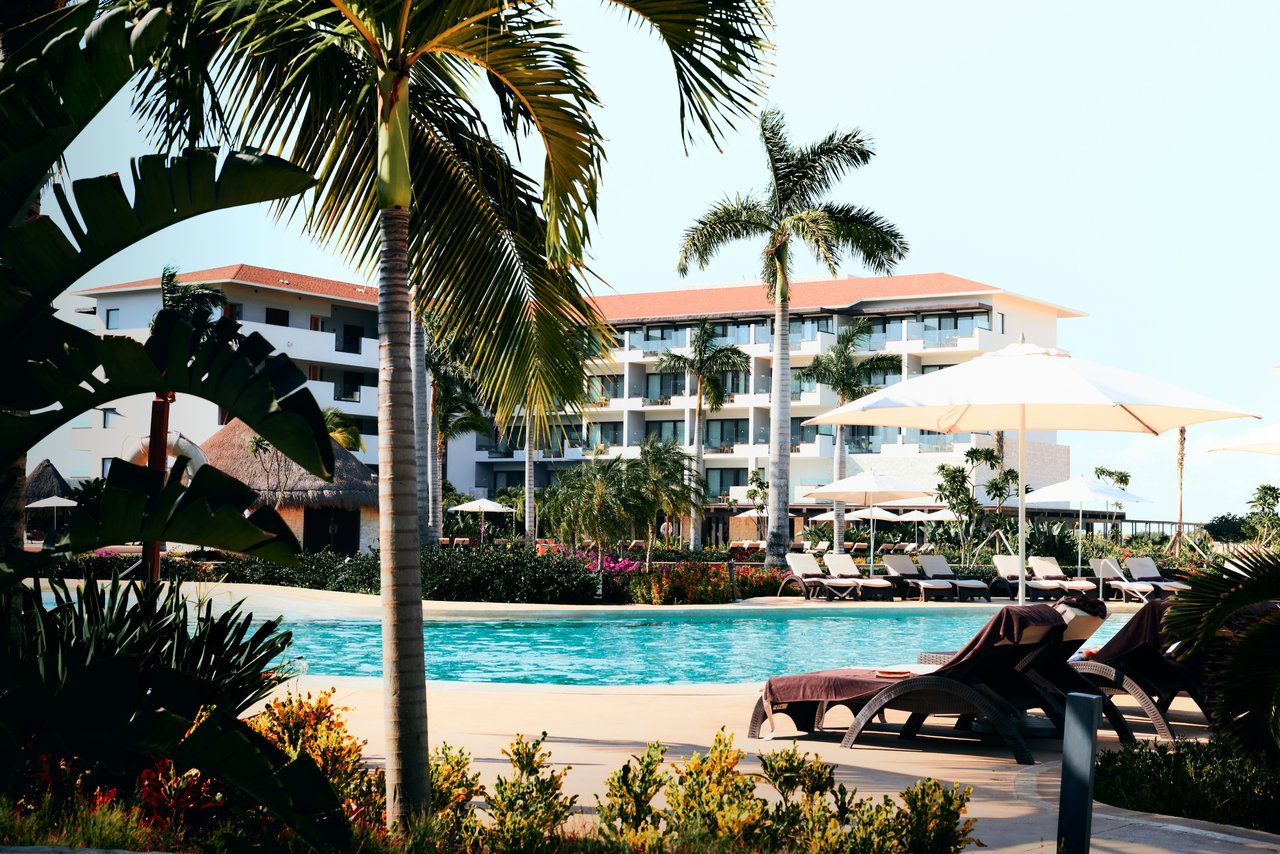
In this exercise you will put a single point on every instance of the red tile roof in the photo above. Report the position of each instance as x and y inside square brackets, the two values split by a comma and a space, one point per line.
[261, 276]
[804, 295]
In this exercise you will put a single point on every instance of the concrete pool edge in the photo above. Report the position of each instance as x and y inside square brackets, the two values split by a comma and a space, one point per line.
[330, 604]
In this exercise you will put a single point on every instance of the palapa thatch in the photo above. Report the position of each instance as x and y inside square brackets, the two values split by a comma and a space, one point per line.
[45, 482]
[353, 485]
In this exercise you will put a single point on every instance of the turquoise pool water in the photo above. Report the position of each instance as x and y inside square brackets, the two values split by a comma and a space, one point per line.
[643, 651]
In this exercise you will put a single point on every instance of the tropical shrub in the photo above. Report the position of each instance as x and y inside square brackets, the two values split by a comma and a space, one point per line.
[515, 575]
[315, 570]
[1209, 781]
[689, 584]
[1226, 528]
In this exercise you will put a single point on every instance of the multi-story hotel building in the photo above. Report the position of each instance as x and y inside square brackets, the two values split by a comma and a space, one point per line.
[931, 320]
[329, 328]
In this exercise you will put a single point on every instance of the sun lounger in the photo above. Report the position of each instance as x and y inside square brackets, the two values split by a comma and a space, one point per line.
[842, 566]
[463, 542]
[1115, 582]
[1145, 569]
[1047, 569]
[937, 568]
[860, 548]
[902, 566]
[972, 682]
[1007, 569]
[805, 571]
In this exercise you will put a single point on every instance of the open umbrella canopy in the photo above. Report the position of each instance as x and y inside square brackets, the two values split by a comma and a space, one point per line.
[1024, 387]
[946, 514]
[877, 513]
[1032, 388]
[480, 505]
[51, 501]
[915, 516]
[867, 488]
[1264, 440]
[1080, 490]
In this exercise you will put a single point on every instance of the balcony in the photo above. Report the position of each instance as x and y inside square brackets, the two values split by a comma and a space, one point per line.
[722, 448]
[350, 398]
[311, 346]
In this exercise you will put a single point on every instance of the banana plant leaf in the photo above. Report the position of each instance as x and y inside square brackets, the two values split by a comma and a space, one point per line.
[139, 504]
[67, 67]
[42, 261]
[56, 372]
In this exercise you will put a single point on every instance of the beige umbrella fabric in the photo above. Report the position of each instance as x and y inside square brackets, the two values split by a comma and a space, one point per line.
[867, 489]
[1024, 387]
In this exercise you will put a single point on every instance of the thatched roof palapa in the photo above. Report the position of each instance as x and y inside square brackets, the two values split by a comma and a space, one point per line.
[353, 483]
[45, 482]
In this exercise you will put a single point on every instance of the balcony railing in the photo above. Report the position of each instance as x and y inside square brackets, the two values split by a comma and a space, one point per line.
[346, 393]
[721, 448]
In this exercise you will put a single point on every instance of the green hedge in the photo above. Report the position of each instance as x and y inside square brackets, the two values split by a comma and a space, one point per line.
[1200, 780]
[515, 575]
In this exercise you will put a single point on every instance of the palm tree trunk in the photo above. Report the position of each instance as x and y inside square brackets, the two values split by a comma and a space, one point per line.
[428, 526]
[401, 574]
[699, 454]
[1182, 464]
[404, 666]
[779, 542]
[837, 473]
[530, 510]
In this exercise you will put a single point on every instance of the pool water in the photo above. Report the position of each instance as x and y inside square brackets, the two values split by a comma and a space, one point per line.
[643, 651]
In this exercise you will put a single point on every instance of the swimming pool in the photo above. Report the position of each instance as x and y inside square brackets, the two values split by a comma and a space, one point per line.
[673, 650]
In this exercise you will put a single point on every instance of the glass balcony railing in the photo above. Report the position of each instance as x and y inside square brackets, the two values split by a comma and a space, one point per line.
[877, 341]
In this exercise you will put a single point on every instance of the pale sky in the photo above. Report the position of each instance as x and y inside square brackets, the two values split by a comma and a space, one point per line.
[1116, 158]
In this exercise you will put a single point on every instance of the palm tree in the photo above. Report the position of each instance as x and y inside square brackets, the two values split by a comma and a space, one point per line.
[374, 99]
[850, 378]
[455, 413]
[708, 361]
[792, 207]
[342, 428]
[591, 498]
[662, 479]
[195, 303]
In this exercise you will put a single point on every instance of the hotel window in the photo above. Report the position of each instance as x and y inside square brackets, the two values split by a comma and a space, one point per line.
[799, 385]
[313, 373]
[607, 433]
[235, 310]
[317, 323]
[719, 481]
[604, 386]
[804, 435]
[884, 329]
[277, 317]
[807, 328]
[732, 333]
[1000, 322]
[883, 378]
[735, 382]
[665, 431]
[727, 431]
[112, 318]
[664, 337]
[867, 440]
[507, 479]
[663, 386]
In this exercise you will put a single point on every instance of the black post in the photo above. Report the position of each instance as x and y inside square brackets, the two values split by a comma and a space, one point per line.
[1079, 749]
[733, 582]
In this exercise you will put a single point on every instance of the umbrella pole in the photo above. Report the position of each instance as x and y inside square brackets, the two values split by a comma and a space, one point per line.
[871, 558]
[1022, 505]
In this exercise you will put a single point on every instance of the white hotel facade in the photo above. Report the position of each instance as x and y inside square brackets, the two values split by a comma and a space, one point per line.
[329, 328]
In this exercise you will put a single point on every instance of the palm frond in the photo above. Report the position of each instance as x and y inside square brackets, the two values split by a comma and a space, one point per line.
[814, 170]
[819, 233]
[1245, 689]
[718, 48]
[873, 238]
[1218, 592]
[732, 219]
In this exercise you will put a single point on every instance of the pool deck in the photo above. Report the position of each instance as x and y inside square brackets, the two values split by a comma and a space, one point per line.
[595, 729]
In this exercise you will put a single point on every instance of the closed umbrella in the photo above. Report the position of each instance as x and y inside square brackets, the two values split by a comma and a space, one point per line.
[1080, 491]
[868, 489]
[1024, 387]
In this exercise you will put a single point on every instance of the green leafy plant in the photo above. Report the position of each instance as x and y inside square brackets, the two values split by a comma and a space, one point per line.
[626, 811]
[529, 807]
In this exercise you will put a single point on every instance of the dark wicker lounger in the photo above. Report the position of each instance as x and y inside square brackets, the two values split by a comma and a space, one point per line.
[975, 681]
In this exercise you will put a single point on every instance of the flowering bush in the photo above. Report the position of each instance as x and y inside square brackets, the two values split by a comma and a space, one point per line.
[687, 583]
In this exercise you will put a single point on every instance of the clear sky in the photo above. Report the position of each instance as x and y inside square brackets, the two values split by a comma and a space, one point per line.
[1118, 158]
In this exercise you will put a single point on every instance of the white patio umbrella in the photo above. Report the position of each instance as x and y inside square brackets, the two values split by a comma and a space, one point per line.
[753, 513]
[53, 501]
[868, 489]
[1264, 440]
[946, 514]
[1025, 387]
[481, 506]
[1080, 491]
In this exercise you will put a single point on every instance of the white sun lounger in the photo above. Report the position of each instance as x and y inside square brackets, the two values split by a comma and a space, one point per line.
[1047, 569]
[804, 568]
[842, 566]
[1007, 568]
[937, 568]
[1145, 569]
[904, 567]
[1113, 578]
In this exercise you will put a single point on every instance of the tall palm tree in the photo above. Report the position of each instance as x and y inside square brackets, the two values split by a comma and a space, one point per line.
[661, 479]
[792, 207]
[850, 378]
[708, 361]
[374, 99]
